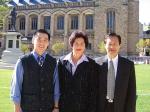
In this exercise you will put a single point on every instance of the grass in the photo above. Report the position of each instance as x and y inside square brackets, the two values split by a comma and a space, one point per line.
[5, 103]
[143, 89]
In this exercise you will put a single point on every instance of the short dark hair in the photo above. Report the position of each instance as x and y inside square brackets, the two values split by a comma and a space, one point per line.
[78, 34]
[110, 35]
[42, 31]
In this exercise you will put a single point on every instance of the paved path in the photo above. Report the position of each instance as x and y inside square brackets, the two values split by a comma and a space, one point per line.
[4, 65]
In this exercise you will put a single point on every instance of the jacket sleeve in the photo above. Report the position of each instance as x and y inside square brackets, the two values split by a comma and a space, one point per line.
[131, 92]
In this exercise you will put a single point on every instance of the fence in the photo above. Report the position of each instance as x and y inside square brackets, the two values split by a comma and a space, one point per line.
[139, 59]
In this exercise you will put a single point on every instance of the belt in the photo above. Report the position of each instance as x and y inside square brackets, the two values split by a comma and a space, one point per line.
[109, 100]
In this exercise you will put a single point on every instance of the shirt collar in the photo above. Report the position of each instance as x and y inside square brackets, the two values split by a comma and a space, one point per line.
[114, 59]
[68, 57]
[36, 55]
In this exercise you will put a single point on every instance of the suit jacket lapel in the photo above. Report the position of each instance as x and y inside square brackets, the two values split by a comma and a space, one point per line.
[68, 65]
[118, 78]
[105, 70]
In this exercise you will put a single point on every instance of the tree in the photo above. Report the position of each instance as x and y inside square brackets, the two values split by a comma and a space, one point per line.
[140, 46]
[3, 11]
[58, 47]
[3, 2]
[101, 47]
[24, 48]
[149, 26]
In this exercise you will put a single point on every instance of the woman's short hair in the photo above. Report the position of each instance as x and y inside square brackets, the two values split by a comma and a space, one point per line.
[78, 34]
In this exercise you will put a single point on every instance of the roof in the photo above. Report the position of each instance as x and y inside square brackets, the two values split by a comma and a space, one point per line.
[35, 2]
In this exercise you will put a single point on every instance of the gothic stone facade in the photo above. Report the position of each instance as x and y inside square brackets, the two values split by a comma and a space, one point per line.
[120, 16]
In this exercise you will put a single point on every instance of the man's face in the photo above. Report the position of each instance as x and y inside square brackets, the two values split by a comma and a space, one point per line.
[78, 46]
[112, 47]
[41, 43]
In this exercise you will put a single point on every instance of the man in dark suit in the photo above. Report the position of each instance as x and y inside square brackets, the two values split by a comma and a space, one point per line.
[117, 84]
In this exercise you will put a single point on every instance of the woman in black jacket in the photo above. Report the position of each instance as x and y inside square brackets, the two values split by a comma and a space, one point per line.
[78, 77]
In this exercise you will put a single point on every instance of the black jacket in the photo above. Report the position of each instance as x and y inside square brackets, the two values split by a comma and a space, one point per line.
[78, 91]
[125, 85]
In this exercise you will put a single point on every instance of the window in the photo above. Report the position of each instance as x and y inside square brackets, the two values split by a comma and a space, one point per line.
[0, 44]
[47, 20]
[110, 21]
[74, 22]
[22, 23]
[89, 21]
[1, 24]
[60, 22]
[89, 47]
[10, 43]
[34, 22]
[17, 43]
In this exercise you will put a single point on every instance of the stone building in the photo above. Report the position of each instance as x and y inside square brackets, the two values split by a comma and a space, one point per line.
[95, 17]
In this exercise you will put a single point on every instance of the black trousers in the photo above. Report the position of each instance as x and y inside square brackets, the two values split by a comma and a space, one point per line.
[109, 107]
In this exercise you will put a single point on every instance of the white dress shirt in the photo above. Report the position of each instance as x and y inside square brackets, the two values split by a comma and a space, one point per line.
[75, 65]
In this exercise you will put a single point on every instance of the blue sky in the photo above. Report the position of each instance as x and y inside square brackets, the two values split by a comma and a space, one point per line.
[144, 11]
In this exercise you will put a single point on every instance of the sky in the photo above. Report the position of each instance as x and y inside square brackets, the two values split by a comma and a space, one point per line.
[144, 11]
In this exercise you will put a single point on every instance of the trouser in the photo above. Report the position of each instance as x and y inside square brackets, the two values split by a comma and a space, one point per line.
[109, 106]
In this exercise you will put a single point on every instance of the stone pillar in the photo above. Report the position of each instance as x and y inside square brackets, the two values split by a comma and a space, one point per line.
[133, 26]
[81, 22]
[52, 25]
[27, 25]
[39, 21]
[66, 25]
[66, 31]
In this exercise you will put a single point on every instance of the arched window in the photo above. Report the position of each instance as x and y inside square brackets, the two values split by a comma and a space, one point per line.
[47, 23]
[74, 22]
[22, 23]
[89, 21]
[110, 21]
[34, 23]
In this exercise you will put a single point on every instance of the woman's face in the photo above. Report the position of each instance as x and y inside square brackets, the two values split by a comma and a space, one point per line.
[78, 46]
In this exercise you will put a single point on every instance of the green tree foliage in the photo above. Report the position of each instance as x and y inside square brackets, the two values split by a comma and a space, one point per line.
[3, 2]
[101, 47]
[149, 26]
[140, 46]
[58, 47]
[3, 11]
[24, 48]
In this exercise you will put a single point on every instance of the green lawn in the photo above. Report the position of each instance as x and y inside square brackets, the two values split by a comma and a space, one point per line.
[5, 103]
[143, 89]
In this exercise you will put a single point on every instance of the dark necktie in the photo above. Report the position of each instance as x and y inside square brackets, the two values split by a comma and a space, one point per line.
[40, 60]
[110, 82]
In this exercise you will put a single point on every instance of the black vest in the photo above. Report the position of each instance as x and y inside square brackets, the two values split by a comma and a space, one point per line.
[37, 88]
[78, 91]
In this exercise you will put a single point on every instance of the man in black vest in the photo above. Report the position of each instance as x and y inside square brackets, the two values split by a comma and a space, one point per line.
[35, 85]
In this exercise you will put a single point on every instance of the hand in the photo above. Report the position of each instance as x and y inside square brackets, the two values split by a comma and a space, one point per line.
[17, 108]
[55, 110]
